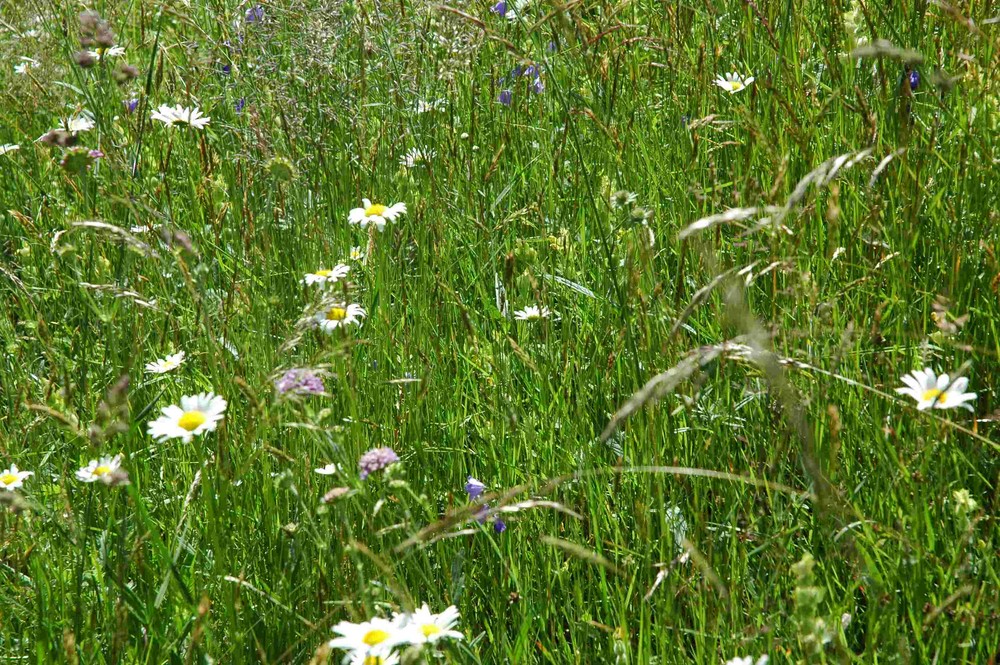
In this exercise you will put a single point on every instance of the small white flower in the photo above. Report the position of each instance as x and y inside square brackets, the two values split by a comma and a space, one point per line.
[12, 479]
[733, 82]
[164, 365]
[429, 107]
[99, 470]
[964, 503]
[361, 658]
[196, 415]
[748, 660]
[417, 157]
[533, 313]
[8, 147]
[328, 470]
[376, 213]
[357, 254]
[939, 392]
[339, 315]
[327, 276]
[25, 64]
[180, 115]
[80, 123]
[107, 52]
[368, 638]
[423, 626]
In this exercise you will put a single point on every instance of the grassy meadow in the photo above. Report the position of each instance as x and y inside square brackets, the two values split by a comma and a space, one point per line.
[635, 335]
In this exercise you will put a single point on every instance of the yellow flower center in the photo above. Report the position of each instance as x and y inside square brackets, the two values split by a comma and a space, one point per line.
[336, 314]
[375, 209]
[374, 660]
[8, 479]
[102, 470]
[430, 629]
[735, 85]
[323, 273]
[374, 637]
[191, 420]
[930, 395]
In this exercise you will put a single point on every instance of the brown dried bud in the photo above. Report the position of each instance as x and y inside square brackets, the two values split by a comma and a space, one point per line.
[84, 59]
[105, 37]
[124, 73]
[59, 137]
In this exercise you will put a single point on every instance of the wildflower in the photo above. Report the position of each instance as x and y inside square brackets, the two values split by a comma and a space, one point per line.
[328, 470]
[12, 479]
[180, 115]
[376, 459]
[733, 82]
[300, 382]
[335, 493]
[939, 392]
[474, 488]
[417, 157]
[621, 198]
[964, 503]
[78, 160]
[429, 107]
[500, 8]
[164, 365]
[196, 415]
[914, 79]
[255, 14]
[240, 103]
[374, 638]
[8, 147]
[84, 59]
[538, 87]
[106, 52]
[375, 213]
[325, 276]
[748, 660]
[506, 96]
[499, 526]
[26, 64]
[424, 627]
[131, 104]
[102, 470]
[533, 313]
[357, 254]
[339, 315]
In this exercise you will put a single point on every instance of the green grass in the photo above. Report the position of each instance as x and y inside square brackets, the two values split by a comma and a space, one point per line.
[221, 549]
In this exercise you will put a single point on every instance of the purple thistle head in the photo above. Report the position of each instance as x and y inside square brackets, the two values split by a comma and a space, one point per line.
[240, 103]
[299, 382]
[500, 8]
[914, 79]
[499, 526]
[376, 459]
[131, 104]
[474, 488]
[255, 14]
[505, 98]
[96, 154]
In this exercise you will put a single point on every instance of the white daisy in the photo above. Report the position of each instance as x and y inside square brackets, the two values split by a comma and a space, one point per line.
[80, 123]
[12, 479]
[99, 470]
[357, 254]
[327, 276]
[339, 315]
[733, 82]
[361, 658]
[748, 660]
[8, 147]
[423, 626]
[417, 157]
[107, 52]
[368, 638]
[328, 470]
[375, 213]
[196, 415]
[533, 313]
[180, 115]
[164, 365]
[939, 392]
